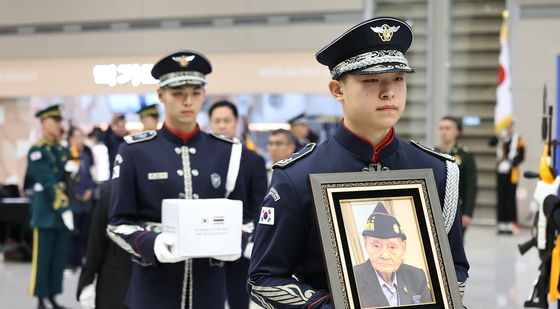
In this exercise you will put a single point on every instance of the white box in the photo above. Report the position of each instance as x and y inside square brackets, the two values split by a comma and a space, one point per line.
[203, 227]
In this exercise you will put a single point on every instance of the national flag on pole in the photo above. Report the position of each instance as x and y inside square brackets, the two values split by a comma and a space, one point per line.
[503, 112]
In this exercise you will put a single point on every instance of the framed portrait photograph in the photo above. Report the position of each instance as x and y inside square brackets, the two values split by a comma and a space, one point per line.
[384, 240]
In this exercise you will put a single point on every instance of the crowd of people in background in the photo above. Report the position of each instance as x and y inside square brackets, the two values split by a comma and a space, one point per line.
[90, 159]
[100, 185]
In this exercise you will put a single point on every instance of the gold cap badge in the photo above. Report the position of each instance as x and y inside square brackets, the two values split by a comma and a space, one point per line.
[183, 61]
[385, 32]
[370, 225]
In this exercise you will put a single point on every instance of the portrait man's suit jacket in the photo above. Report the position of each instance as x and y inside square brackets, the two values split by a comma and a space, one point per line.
[411, 281]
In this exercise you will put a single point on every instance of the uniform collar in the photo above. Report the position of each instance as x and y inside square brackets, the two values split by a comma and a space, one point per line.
[179, 138]
[362, 147]
[46, 141]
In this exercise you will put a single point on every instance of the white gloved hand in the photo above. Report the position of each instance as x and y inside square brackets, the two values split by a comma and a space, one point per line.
[228, 258]
[162, 248]
[504, 167]
[72, 167]
[87, 296]
[544, 189]
[248, 250]
[68, 219]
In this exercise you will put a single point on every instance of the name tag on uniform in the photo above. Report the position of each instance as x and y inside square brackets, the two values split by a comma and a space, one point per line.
[157, 176]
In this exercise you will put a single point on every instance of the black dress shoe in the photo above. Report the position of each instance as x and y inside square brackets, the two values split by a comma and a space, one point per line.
[55, 305]
[41, 304]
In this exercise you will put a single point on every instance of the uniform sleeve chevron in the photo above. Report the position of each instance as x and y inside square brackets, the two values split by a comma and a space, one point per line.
[289, 294]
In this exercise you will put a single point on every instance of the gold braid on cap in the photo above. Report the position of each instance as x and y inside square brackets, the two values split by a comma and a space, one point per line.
[377, 57]
[149, 112]
[53, 113]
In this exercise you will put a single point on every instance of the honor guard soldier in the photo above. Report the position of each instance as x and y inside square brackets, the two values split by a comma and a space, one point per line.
[177, 161]
[51, 217]
[149, 115]
[368, 68]
[450, 130]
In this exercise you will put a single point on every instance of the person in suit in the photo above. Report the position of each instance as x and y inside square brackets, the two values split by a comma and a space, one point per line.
[105, 261]
[384, 280]
[299, 126]
[114, 136]
[281, 144]
[223, 120]
[81, 188]
[51, 218]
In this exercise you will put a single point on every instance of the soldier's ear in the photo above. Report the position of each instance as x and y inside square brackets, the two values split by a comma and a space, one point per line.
[160, 93]
[336, 89]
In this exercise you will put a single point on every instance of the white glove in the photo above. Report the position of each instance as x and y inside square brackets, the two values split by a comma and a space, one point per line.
[87, 297]
[228, 258]
[162, 248]
[544, 189]
[248, 250]
[72, 167]
[504, 167]
[68, 219]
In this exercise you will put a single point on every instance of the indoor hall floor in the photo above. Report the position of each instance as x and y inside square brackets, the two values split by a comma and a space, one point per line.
[499, 276]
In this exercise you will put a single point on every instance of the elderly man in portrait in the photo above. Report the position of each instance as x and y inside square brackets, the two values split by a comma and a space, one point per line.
[384, 280]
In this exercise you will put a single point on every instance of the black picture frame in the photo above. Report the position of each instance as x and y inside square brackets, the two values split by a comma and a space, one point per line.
[343, 203]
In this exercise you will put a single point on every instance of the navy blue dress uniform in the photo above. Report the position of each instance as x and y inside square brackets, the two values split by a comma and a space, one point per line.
[287, 243]
[236, 271]
[155, 165]
[45, 171]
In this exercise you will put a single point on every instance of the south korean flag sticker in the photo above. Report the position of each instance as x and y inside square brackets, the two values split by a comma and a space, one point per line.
[267, 216]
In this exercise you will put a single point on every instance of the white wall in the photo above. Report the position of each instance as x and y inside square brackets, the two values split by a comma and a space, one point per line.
[21, 12]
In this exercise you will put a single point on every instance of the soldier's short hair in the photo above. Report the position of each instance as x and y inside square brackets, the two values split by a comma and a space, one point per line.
[289, 135]
[223, 103]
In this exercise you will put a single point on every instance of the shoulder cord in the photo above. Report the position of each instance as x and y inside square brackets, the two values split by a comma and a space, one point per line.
[451, 195]
[233, 168]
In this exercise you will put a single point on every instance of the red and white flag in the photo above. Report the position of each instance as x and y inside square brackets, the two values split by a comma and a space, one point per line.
[503, 113]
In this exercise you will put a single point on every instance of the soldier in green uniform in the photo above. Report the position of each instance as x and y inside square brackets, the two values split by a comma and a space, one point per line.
[51, 219]
[149, 115]
[450, 129]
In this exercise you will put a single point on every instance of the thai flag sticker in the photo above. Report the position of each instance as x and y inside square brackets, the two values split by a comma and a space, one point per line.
[267, 216]
[218, 220]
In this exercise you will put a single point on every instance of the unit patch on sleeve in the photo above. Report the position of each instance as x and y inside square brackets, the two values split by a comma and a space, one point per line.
[35, 155]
